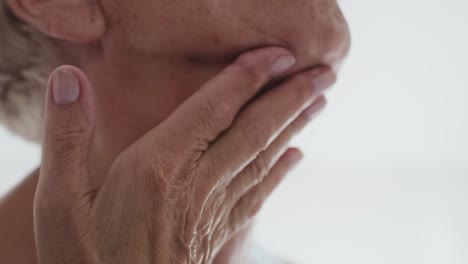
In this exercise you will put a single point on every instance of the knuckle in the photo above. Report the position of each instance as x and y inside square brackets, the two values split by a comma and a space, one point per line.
[259, 168]
[66, 135]
[162, 178]
[68, 130]
[64, 140]
[220, 113]
[217, 178]
[160, 186]
[253, 72]
[304, 88]
[260, 133]
[151, 175]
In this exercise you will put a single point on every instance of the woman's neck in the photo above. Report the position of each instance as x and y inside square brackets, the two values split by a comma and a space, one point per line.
[133, 96]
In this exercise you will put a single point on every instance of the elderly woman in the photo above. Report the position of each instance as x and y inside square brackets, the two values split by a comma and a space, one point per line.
[162, 141]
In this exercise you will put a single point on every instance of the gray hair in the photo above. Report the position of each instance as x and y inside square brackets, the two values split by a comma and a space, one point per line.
[26, 59]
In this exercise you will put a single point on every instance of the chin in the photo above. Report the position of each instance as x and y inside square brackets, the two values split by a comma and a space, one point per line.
[329, 45]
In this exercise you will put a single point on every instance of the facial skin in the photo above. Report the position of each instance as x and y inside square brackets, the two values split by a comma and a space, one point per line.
[215, 31]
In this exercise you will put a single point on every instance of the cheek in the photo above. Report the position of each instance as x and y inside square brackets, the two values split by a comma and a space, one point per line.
[315, 30]
[139, 27]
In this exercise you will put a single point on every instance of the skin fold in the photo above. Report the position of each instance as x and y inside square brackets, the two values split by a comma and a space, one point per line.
[144, 59]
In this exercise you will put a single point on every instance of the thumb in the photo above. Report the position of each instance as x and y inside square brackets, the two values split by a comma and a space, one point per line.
[69, 128]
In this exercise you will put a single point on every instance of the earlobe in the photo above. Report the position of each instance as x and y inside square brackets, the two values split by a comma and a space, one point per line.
[78, 21]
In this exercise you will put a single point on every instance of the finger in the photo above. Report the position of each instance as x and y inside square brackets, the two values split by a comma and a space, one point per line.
[211, 110]
[251, 203]
[262, 122]
[255, 172]
[69, 127]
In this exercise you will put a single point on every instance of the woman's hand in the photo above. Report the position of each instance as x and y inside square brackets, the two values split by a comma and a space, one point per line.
[187, 186]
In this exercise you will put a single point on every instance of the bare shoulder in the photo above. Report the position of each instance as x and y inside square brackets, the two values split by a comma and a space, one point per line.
[16, 223]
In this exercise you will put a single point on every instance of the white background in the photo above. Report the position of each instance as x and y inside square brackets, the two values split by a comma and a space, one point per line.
[385, 179]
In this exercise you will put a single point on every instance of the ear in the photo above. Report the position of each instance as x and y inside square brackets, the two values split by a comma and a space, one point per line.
[78, 21]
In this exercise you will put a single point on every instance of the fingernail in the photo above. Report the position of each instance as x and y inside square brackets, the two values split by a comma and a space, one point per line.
[324, 80]
[65, 87]
[315, 108]
[283, 63]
